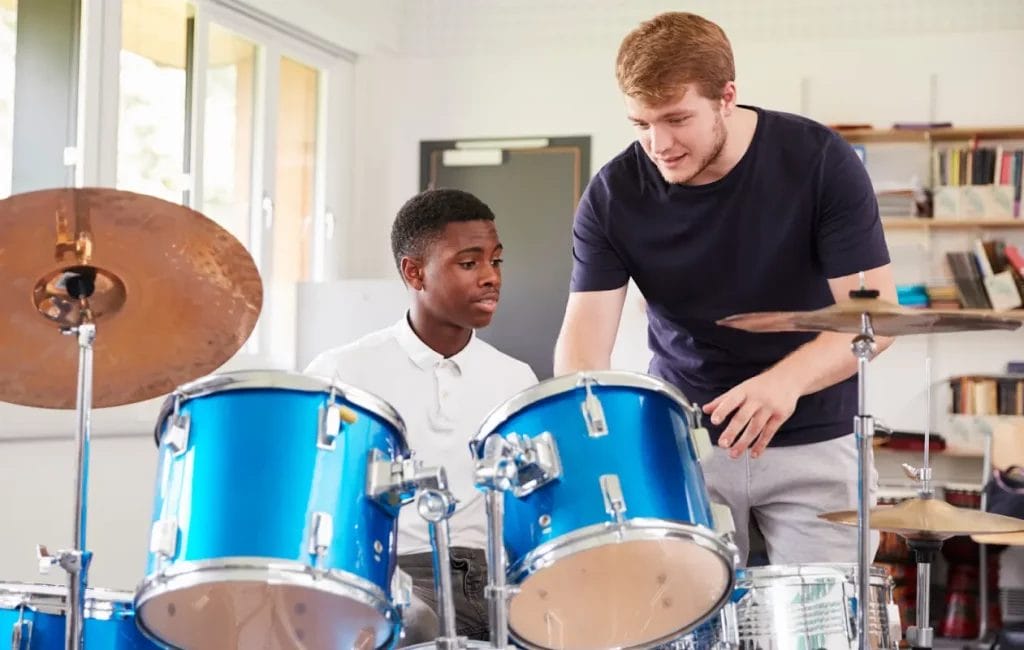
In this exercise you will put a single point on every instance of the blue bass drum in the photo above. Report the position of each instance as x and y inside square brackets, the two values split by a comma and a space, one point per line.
[609, 531]
[262, 532]
[34, 616]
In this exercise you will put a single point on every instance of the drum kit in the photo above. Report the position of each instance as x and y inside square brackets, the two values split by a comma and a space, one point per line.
[275, 515]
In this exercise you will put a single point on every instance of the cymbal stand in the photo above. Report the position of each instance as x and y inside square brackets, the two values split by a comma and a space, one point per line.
[864, 429]
[921, 635]
[76, 561]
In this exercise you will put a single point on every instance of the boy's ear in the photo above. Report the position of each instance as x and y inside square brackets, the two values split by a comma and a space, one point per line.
[412, 272]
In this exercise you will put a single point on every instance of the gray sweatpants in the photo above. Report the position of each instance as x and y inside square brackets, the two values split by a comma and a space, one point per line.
[785, 490]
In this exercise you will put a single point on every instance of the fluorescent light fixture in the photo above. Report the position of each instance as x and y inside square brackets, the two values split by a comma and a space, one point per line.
[471, 157]
[510, 143]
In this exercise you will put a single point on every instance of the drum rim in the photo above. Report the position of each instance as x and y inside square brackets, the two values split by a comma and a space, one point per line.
[308, 383]
[46, 598]
[638, 529]
[558, 385]
[193, 573]
[810, 569]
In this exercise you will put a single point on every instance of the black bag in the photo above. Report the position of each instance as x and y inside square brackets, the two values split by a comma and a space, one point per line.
[1005, 492]
[1011, 637]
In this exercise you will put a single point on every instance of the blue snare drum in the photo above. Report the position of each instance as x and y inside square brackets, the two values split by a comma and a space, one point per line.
[262, 534]
[34, 616]
[609, 531]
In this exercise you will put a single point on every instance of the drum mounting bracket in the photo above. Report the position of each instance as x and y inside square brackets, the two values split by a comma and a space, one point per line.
[394, 482]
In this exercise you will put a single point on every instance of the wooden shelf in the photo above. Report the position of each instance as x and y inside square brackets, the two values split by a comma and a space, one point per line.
[934, 135]
[949, 452]
[918, 223]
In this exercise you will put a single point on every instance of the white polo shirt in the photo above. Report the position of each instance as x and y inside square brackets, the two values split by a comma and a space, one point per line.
[443, 402]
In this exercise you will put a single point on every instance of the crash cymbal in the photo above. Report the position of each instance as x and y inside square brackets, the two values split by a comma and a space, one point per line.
[887, 319]
[929, 519]
[174, 295]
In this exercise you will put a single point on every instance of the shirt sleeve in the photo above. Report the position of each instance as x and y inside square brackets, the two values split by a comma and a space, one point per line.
[849, 235]
[596, 266]
[340, 364]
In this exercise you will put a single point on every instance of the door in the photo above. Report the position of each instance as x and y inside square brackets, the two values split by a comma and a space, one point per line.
[532, 186]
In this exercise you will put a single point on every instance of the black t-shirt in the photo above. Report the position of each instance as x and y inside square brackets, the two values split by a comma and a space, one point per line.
[797, 209]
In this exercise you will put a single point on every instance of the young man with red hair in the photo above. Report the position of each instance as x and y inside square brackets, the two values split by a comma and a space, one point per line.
[720, 208]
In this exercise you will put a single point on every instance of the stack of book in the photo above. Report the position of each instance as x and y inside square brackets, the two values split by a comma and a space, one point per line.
[991, 276]
[988, 395]
[943, 296]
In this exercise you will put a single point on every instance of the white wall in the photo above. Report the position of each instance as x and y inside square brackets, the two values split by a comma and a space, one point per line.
[356, 25]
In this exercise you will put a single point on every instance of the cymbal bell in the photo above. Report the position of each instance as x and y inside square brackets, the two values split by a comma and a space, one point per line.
[887, 319]
[173, 295]
[930, 518]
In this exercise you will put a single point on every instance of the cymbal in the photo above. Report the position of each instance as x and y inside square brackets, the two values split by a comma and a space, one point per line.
[929, 519]
[174, 295]
[1007, 539]
[887, 319]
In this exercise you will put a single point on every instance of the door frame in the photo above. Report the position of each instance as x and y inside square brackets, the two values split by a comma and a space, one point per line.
[431, 152]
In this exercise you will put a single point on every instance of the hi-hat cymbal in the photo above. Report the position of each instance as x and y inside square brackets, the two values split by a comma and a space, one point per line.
[887, 319]
[174, 295]
[929, 519]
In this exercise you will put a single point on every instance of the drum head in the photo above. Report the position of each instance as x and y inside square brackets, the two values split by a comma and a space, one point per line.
[214, 616]
[624, 594]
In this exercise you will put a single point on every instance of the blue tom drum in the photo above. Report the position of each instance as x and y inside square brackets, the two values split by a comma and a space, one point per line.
[262, 532]
[609, 531]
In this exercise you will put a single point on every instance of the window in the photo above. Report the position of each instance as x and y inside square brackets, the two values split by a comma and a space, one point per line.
[8, 37]
[228, 132]
[151, 136]
[296, 170]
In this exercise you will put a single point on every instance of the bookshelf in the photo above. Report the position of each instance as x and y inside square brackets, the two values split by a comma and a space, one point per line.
[928, 223]
[978, 200]
[949, 134]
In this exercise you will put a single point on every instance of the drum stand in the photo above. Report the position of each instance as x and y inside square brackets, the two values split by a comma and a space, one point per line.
[495, 474]
[864, 428]
[436, 505]
[76, 561]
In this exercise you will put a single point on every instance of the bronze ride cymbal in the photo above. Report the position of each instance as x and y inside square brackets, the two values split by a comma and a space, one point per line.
[929, 519]
[174, 295]
[887, 319]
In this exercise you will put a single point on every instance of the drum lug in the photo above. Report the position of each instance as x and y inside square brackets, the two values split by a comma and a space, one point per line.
[593, 413]
[702, 443]
[321, 532]
[163, 538]
[401, 590]
[722, 516]
[895, 626]
[176, 436]
[614, 502]
[537, 462]
[850, 593]
[332, 416]
[21, 635]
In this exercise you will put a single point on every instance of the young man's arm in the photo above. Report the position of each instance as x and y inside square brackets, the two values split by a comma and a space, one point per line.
[588, 331]
[760, 405]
